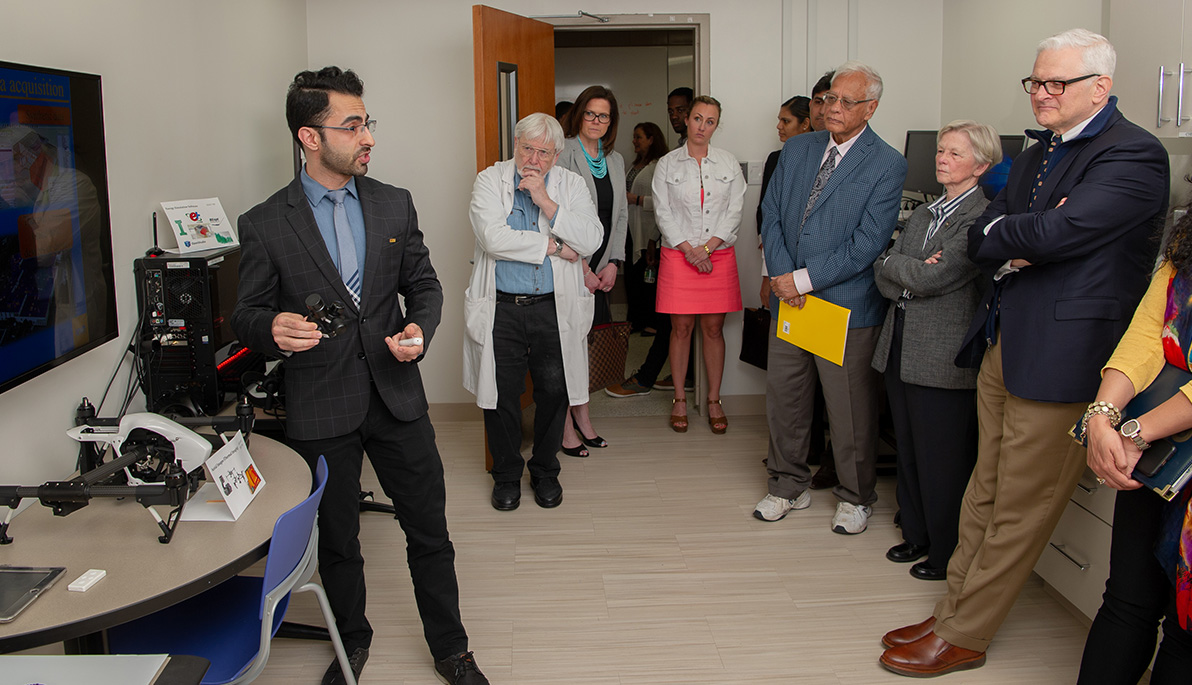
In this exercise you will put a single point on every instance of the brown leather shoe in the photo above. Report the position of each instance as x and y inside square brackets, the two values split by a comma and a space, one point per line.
[907, 635]
[930, 656]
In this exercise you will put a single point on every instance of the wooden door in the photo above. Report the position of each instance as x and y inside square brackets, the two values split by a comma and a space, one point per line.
[509, 49]
[511, 54]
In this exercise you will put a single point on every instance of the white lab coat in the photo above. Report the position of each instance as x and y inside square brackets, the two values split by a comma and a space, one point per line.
[577, 225]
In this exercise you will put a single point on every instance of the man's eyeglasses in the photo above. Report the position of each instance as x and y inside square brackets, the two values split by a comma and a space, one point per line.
[1032, 85]
[831, 99]
[535, 152]
[593, 116]
[371, 125]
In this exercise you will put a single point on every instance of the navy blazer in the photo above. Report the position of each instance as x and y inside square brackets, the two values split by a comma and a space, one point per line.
[1061, 317]
[848, 228]
[284, 259]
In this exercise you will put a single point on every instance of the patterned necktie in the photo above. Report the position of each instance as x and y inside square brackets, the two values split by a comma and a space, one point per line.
[349, 266]
[1044, 169]
[821, 180]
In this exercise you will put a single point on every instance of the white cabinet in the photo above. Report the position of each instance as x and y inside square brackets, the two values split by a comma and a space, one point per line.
[1076, 560]
[1153, 80]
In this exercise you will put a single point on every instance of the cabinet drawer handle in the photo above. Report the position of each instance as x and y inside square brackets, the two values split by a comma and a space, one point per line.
[1179, 100]
[1061, 550]
[1086, 489]
[1161, 118]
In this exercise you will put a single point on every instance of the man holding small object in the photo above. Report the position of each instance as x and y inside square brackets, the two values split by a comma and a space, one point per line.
[526, 307]
[336, 233]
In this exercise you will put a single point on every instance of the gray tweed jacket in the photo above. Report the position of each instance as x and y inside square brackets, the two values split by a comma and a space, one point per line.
[945, 296]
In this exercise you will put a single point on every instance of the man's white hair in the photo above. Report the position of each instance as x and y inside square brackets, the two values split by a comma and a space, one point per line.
[873, 88]
[1097, 54]
[537, 126]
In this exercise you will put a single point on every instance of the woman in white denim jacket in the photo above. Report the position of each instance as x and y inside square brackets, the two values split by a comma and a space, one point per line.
[698, 195]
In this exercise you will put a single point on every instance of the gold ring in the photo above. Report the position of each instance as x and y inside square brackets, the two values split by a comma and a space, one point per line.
[1100, 481]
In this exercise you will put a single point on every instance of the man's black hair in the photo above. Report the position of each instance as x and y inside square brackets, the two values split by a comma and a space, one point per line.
[307, 101]
[682, 92]
[824, 84]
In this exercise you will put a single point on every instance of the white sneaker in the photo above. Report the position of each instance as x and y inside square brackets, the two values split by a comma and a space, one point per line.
[850, 519]
[773, 508]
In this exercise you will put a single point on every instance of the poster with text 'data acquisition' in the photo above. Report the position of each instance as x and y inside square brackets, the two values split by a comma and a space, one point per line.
[198, 225]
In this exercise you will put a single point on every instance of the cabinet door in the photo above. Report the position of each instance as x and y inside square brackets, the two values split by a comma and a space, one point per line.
[1149, 36]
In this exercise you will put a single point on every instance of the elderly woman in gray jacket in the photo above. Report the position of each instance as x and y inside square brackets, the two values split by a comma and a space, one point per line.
[933, 291]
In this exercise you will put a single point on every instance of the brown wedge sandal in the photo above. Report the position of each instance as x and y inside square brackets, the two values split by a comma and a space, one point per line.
[719, 424]
[678, 422]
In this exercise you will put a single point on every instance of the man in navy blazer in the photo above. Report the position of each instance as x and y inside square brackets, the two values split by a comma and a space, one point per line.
[830, 210]
[1068, 247]
[338, 234]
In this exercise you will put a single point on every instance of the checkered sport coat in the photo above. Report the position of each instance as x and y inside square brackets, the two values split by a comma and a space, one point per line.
[284, 259]
[848, 228]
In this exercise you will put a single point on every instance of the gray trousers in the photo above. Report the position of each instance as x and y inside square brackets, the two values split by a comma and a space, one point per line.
[851, 396]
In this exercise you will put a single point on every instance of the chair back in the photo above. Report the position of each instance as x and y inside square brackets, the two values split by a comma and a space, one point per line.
[291, 536]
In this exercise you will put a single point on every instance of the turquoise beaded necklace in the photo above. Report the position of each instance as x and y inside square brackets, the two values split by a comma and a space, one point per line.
[598, 166]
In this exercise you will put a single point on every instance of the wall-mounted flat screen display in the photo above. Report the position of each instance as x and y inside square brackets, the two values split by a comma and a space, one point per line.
[57, 294]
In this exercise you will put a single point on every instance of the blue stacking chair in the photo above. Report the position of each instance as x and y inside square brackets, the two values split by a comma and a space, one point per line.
[232, 624]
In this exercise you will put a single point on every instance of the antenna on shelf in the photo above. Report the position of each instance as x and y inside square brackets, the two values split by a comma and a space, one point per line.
[154, 251]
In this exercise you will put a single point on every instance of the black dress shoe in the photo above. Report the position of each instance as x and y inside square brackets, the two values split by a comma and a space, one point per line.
[547, 492]
[334, 675]
[597, 442]
[925, 571]
[906, 553]
[507, 495]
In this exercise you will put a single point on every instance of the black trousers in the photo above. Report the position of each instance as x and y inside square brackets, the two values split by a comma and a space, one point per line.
[407, 463]
[1137, 595]
[936, 429]
[526, 337]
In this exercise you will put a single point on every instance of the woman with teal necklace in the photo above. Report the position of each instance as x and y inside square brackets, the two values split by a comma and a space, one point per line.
[591, 129]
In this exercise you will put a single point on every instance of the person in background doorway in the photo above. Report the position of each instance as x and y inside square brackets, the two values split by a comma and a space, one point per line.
[650, 146]
[678, 105]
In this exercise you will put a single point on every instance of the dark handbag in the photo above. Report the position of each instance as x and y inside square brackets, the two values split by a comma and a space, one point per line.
[608, 345]
[755, 337]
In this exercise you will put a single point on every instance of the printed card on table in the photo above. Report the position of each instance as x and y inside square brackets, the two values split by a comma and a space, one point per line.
[198, 224]
[233, 481]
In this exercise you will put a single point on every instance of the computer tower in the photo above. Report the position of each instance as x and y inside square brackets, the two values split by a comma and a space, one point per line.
[185, 306]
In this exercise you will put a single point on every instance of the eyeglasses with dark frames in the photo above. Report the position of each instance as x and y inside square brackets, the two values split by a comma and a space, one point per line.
[1032, 85]
[371, 125]
[831, 99]
[593, 116]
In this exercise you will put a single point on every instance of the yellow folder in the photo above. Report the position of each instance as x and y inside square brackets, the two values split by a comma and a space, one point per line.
[820, 327]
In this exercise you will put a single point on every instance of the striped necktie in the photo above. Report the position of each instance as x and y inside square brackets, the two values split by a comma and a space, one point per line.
[349, 266]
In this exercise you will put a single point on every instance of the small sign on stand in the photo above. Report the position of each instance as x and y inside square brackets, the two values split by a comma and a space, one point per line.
[199, 224]
[234, 481]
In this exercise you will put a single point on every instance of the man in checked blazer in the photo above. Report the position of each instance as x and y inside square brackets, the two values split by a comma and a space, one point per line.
[335, 233]
[830, 210]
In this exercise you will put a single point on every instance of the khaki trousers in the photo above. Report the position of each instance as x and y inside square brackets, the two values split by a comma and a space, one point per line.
[1027, 467]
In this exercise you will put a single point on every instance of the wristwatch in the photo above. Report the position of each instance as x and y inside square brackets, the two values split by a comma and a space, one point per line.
[558, 248]
[1131, 429]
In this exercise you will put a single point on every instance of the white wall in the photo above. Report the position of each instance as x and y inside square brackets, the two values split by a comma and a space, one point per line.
[990, 47]
[193, 107]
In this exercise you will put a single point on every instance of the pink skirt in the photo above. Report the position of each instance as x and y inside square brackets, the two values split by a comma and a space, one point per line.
[682, 289]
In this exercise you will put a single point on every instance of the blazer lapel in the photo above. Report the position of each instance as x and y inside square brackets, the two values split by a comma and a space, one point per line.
[963, 213]
[302, 220]
[375, 239]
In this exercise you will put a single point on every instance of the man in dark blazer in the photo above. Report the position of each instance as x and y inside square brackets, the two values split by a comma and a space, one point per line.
[1068, 246]
[829, 212]
[335, 233]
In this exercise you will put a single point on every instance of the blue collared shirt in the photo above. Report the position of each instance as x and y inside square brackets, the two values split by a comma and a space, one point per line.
[522, 278]
[324, 210]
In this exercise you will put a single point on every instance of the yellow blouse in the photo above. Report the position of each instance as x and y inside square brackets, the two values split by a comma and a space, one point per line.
[1139, 354]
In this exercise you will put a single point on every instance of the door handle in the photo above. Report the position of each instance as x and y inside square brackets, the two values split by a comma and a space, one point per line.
[1061, 550]
[1179, 99]
[1162, 73]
